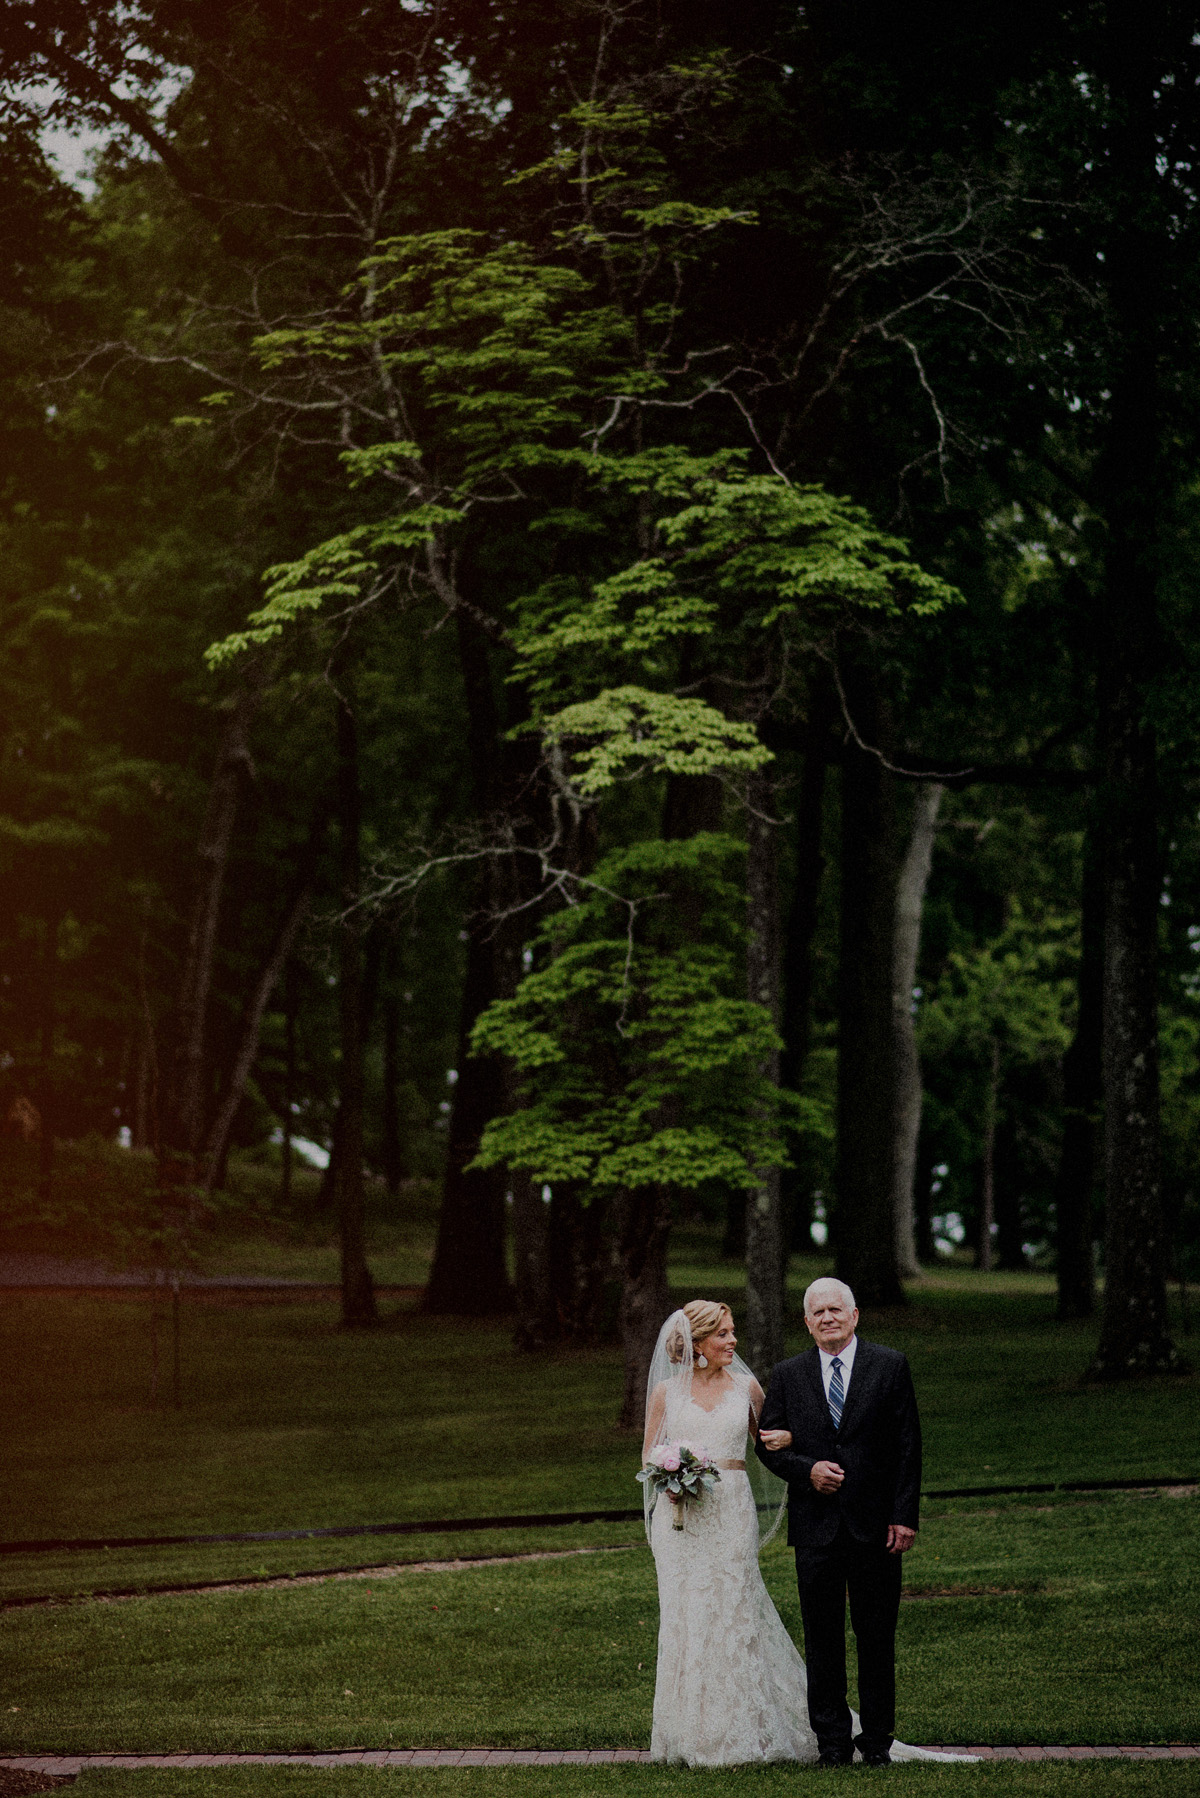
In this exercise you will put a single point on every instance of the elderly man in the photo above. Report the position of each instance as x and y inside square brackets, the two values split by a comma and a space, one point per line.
[852, 1461]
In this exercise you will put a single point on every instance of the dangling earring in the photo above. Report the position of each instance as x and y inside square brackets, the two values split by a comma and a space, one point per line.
[701, 1360]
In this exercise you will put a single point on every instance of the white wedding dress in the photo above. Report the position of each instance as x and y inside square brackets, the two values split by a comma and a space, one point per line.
[730, 1685]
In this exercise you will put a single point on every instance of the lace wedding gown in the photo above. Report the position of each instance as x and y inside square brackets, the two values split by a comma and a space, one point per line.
[730, 1686]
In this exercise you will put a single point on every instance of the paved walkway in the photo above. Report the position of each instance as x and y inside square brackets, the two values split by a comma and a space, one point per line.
[510, 1757]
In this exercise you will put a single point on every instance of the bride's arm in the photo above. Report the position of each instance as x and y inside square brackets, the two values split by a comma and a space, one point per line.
[755, 1394]
[770, 1439]
[655, 1413]
[788, 1463]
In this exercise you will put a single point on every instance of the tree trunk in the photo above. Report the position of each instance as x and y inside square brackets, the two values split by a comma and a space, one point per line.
[47, 1071]
[801, 927]
[140, 1134]
[923, 1200]
[217, 1146]
[864, 1232]
[234, 766]
[987, 1178]
[374, 950]
[358, 1291]
[531, 1258]
[593, 1267]
[291, 1004]
[328, 1190]
[765, 1255]
[1082, 1097]
[145, 1090]
[469, 1276]
[558, 1241]
[644, 1227]
[393, 1144]
[1010, 1222]
[1135, 1332]
[733, 1236]
[910, 904]
[693, 803]
[580, 1264]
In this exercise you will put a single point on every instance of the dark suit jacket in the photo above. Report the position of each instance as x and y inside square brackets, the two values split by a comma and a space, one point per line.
[878, 1445]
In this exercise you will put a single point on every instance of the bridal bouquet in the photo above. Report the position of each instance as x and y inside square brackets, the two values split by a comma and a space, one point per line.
[681, 1470]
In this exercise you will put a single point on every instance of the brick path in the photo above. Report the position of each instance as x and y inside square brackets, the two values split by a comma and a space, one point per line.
[510, 1757]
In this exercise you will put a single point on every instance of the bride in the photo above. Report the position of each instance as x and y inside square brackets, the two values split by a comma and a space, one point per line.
[730, 1685]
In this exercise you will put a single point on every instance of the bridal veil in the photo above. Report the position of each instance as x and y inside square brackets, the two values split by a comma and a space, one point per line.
[668, 1390]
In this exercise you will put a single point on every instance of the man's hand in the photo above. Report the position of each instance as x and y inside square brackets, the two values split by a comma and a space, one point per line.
[900, 1538]
[827, 1476]
[774, 1439]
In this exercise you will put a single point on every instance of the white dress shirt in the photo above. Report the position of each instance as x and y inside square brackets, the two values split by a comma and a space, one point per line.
[846, 1357]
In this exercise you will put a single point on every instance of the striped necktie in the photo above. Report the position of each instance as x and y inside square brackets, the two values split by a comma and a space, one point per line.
[837, 1392]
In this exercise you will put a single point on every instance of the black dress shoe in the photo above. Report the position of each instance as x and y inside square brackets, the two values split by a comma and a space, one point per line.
[877, 1759]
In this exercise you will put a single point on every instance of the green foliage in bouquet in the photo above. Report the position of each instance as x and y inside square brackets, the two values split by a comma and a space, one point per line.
[682, 1474]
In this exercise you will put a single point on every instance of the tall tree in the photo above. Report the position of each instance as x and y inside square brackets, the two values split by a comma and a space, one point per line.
[1075, 1187]
[358, 1292]
[640, 1060]
[912, 882]
[1135, 1333]
[863, 1227]
[766, 1253]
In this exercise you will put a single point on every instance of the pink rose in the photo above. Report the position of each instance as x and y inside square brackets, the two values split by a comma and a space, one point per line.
[669, 1462]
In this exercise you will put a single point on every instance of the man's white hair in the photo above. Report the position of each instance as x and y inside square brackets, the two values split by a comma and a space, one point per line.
[844, 1292]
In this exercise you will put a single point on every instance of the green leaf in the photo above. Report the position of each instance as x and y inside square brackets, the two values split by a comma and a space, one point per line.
[628, 731]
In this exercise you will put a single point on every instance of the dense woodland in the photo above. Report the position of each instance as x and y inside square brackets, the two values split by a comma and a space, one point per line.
[600, 604]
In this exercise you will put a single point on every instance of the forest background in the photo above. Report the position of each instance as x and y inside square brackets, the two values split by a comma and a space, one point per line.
[599, 608]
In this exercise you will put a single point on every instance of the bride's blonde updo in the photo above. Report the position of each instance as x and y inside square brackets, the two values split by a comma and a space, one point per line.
[704, 1316]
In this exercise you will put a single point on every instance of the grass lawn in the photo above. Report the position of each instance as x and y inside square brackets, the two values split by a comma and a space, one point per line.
[104, 1210]
[400, 1249]
[72, 1574]
[1088, 1630]
[1086, 1627]
[1098, 1779]
[288, 1422]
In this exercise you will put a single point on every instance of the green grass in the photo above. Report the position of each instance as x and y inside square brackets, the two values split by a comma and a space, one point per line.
[73, 1574]
[104, 1209]
[288, 1422]
[1087, 1630]
[1098, 1779]
[400, 1256]
[1093, 1635]
[248, 1238]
